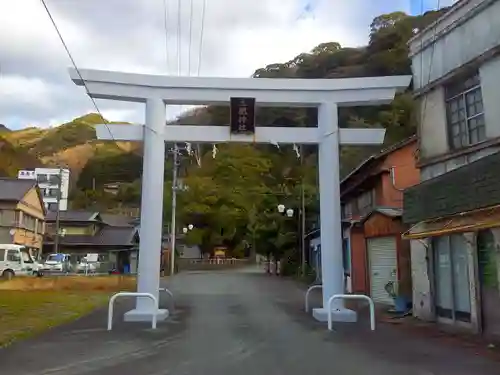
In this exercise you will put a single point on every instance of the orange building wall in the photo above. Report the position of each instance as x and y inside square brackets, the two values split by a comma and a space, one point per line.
[405, 175]
[358, 261]
[386, 195]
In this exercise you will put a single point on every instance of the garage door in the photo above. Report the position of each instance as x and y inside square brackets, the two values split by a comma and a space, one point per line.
[383, 267]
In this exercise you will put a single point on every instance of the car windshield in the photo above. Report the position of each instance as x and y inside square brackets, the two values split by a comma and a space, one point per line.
[54, 258]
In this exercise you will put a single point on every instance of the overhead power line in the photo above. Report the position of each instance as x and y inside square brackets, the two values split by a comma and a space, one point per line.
[165, 25]
[200, 52]
[190, 35]
[431, 61]
[179, 39]
[73, 62]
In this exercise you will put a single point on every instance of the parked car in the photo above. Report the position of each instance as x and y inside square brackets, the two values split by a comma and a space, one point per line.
[57, 263]
[87, 267]
[16, 260]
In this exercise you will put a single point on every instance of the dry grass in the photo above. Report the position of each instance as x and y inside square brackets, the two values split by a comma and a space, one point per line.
[29, 306]
[71, 283]
[76, 157]
[26, 136]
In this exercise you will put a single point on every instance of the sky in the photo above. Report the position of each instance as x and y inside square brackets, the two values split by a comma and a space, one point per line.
[239, 36]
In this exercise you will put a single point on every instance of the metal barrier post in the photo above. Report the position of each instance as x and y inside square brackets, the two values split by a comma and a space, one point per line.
[170, 294]
[351, 296]
[319, 286]
[130, 294]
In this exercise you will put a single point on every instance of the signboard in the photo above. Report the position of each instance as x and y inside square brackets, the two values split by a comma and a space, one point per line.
[242, 115]
[92, 258]
[220, 252]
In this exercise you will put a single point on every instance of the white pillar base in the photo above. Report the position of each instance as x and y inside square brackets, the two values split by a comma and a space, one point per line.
[338, 315]
[137, 315]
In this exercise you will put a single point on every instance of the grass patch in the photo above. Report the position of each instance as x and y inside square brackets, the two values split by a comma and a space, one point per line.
[70, 283]
[29, 306]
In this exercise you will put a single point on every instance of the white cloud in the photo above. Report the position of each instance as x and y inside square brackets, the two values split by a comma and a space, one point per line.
[240, 36]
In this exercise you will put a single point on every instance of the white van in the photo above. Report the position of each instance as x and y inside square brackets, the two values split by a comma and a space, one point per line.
[16, 260]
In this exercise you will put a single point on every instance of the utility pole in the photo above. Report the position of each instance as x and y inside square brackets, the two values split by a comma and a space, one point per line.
[303, 229]
[58, 211]
[174, 209]
[303, 215]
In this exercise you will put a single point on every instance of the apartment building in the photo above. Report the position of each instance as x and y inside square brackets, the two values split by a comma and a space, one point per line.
[52, 182]
[454, 212]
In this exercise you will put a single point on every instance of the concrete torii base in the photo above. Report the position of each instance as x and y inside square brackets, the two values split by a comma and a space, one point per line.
[136, 315]
[338, 315]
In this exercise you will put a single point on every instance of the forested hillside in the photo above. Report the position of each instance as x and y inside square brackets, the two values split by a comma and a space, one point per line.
[70, 145]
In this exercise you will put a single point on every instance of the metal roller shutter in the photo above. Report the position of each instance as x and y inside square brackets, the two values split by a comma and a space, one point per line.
[489, 262]
[383, 267]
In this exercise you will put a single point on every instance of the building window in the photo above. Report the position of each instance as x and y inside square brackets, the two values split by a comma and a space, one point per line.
[50, 228]
[347, 210]
[346, 256]
[42, 178]
[39, 229]
[29, 222]
[7, 218]
[17, 218]
[51, 192]
[52, 206]
[465, 112]
[451, 273]
[365, 202]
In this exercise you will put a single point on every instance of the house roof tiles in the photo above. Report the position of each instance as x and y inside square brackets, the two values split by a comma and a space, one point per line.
[12, 189]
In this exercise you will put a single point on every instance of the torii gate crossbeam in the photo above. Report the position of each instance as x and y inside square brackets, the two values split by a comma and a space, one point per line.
[158, 91]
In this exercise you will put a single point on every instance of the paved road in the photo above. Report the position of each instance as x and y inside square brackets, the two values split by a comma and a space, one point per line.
[237, 323]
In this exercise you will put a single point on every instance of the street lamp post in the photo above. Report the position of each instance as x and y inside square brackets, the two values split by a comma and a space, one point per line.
[175, 187]
[187, 229]
[289, 212]
[283, 210]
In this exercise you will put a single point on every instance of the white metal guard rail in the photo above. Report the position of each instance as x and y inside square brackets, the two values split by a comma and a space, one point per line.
[165, 290]
[131, 294]
[351, 296]
[319, 286]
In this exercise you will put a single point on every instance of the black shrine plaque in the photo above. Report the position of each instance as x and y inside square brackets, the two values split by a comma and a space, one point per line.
[242, 115]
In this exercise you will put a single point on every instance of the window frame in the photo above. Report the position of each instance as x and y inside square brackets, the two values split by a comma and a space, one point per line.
[52, 204]
[7, 218]
[12, 256]
[347, 210]
[365, 209]
[346, 256]
[458, 92]
[29, 222]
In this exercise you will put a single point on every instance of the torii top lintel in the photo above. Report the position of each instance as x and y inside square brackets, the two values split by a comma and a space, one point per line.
[274, 92]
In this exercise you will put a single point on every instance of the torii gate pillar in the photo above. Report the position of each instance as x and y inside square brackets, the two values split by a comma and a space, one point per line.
[150, 243]
[330, 215]
[158, 91]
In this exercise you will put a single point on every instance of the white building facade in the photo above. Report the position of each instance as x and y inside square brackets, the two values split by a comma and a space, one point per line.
[456, 79]
[50, 186]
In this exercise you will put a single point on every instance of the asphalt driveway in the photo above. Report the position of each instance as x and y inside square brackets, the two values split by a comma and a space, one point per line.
[238, 323]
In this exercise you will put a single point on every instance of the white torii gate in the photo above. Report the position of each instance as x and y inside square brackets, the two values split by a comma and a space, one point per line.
[158, 91]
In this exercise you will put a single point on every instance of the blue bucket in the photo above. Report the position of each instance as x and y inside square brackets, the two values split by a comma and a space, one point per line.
[400, 304]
